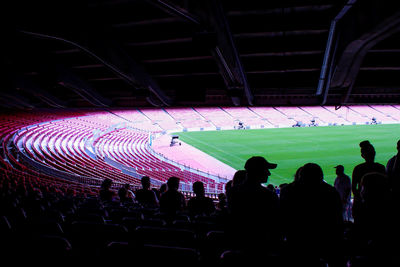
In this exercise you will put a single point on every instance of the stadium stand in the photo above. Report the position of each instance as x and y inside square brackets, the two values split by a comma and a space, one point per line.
[88, 87]
[273, 116]
[189, 118]
[216, 116]
[244, 115]
[64, 216]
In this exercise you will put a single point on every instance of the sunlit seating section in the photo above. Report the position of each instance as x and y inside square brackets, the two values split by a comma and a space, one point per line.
[137, 119]
[244, 115]
[217, 116]
[273, 117]
[130, 148]
[323, 116]
[188, 118]
[391, 112]
[369, 112]
[296, 114]
[348, 114]
[161, 118]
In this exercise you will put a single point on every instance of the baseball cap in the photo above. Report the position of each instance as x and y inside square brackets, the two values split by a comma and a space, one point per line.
[339, 167]
[258, 162]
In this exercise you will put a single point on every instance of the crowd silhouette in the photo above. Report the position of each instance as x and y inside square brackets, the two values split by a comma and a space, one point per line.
[306, 222]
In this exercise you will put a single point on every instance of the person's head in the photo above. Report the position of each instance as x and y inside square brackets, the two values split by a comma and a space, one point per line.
[311, 174]
[106, 184]
[238, 177]
[127, 186]
[145, 182]
[257, 169]
[398, 146]
[339, 169]
[173, 183]
[297, 174]
[198, 188]
[163, 188]
[367, 151]
[228, 185]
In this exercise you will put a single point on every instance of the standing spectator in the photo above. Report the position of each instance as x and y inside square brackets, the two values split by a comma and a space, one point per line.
[343, 186]
[393, 170]
[254, 222]
[376, 229]
[145, 196]
[312, 219]
[368, 154]
[172, 201]
[200, 204]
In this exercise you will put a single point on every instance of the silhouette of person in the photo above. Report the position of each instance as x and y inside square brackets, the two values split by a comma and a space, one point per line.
[343, 186]
[222, 205]
[125, 194]
[312, 218]
[172, 201]
[200, 204]
[163, 189]
[254, 211]
[238, 178]
[393, 169]
[368, 154]
[376, 225]
[288, 187]
[145, 196]
[105, 193]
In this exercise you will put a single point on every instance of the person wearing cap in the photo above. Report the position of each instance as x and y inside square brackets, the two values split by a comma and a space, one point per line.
[343, 186]
[254, 209]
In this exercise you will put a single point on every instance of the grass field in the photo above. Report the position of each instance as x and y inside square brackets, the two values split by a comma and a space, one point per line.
[291, 148]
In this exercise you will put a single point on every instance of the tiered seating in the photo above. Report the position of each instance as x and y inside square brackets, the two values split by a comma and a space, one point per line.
[369, 112]
[273, 117]
[217, 117]
[130, 147]
[389, 111]
[137, 120]
[57, 140]
[348, 114]
[296, 114]
[188, 118]
[324, 116]
[102, 119]
[244, 115]
[162, 118]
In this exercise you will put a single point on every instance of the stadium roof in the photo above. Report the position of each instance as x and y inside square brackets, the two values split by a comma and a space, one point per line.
[125, 53]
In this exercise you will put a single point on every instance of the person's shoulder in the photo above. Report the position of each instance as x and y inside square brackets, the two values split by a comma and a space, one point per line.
[379, 165]
[328, 189]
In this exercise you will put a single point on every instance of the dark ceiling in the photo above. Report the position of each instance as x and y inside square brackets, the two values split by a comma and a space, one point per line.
[127, 53]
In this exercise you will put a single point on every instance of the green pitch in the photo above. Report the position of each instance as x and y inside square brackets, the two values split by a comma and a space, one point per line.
[291, 148]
